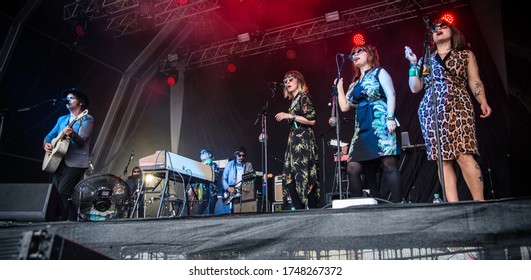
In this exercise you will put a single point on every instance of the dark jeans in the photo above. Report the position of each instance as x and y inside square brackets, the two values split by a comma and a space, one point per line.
[65, 179]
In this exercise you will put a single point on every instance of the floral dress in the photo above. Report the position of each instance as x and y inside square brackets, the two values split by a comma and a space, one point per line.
[371, 139]
[301, 157]
[457, 129]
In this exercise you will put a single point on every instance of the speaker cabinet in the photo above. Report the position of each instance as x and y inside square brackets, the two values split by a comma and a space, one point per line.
[42, 245]
[249, 189]
[278, 188]
[252, 206]
[30, 203]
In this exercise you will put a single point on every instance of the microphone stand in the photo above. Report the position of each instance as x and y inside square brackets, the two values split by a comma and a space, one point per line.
[263, 139]
[425, 69]
[334, 121]
[139, 198]
[3, 112]
[127, 166]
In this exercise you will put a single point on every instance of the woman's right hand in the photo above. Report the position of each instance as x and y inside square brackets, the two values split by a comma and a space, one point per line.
[339, 84]
[410, 55]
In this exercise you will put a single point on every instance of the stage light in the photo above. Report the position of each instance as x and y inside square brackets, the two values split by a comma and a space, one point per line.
[146, 8]
[448, 17]
[333, 16]
[291, 54]
[182, 2]
[358, 39]
[172, 57]
[171, 80]
[80, 30]
[231, 67]
[242, 38]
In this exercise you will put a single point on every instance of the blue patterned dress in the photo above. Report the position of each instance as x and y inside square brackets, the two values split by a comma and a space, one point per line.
[371, 139]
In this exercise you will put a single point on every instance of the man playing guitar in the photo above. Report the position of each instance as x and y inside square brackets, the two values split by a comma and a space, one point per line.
[232, 174]
[75, 160]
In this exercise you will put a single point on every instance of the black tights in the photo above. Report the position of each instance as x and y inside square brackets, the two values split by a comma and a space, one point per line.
[390, 177]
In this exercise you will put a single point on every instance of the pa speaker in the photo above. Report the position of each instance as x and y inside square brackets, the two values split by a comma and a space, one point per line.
[42, 245]
[30, 203]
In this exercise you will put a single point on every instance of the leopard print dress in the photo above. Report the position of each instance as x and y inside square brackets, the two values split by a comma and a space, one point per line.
[454, 107]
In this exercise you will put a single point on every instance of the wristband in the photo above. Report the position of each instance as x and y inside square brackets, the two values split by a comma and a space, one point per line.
[295, 122]
[413, 71]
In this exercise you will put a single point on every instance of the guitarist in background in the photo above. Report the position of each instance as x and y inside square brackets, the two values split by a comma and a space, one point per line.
[76, 159]
[232, 174]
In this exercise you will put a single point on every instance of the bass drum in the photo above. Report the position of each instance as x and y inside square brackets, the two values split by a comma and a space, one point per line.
[101, 197]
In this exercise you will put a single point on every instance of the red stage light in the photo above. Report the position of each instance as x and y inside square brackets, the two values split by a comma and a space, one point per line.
[358, 39]
[231, 67]
[182, 2]
[80, 30]
[291, 54]
[448, 18]
[171, 80]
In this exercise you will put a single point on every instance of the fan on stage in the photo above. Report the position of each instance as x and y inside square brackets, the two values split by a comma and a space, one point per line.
[101, 197]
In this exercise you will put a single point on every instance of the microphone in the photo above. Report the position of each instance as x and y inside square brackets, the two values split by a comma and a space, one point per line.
[429, 24]
[348, 56]
[278, 84]
[61, 101]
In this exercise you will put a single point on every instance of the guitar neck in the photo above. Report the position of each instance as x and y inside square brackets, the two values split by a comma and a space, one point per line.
[62, 135]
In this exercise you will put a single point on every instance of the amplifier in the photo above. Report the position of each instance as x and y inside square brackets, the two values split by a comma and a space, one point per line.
[249, 188]
[278, 189]
[252, 206]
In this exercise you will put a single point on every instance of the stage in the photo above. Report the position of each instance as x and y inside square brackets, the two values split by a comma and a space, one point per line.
[494, 229]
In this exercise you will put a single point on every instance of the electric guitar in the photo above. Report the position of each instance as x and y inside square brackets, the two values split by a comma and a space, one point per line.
[228, 197]
[60, 146]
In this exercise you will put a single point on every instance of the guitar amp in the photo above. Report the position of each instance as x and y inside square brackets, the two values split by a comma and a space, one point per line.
[250, 188]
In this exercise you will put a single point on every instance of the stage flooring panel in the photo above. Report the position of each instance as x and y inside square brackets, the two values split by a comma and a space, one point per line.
[390, 231]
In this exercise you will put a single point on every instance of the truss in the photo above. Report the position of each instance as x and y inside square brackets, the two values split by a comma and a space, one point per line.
[367, 17]
[124, 17]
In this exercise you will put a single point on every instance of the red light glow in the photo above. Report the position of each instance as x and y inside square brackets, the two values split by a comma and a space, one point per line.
[231, 67]
[358, 39]
[171, 81]
[448, 18]
[80, 31]
[291, 54]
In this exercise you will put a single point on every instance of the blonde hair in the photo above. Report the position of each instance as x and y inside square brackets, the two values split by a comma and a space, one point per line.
[301, 83]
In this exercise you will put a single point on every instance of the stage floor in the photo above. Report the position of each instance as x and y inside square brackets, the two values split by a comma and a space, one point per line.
[495, 229]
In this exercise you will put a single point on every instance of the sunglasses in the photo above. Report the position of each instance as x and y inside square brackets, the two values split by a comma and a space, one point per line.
[136, 171]
[241, 155]
[287, 80]
[437, 27]
[358, 51]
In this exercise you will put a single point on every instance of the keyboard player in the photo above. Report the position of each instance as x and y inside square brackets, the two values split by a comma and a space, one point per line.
[202, 197]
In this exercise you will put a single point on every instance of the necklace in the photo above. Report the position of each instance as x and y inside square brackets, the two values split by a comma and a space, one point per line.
[444, 53]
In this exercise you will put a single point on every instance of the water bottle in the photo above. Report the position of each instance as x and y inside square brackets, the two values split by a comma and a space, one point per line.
[436, 198]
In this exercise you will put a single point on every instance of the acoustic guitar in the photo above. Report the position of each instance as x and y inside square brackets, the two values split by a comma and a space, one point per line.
[60, 146]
